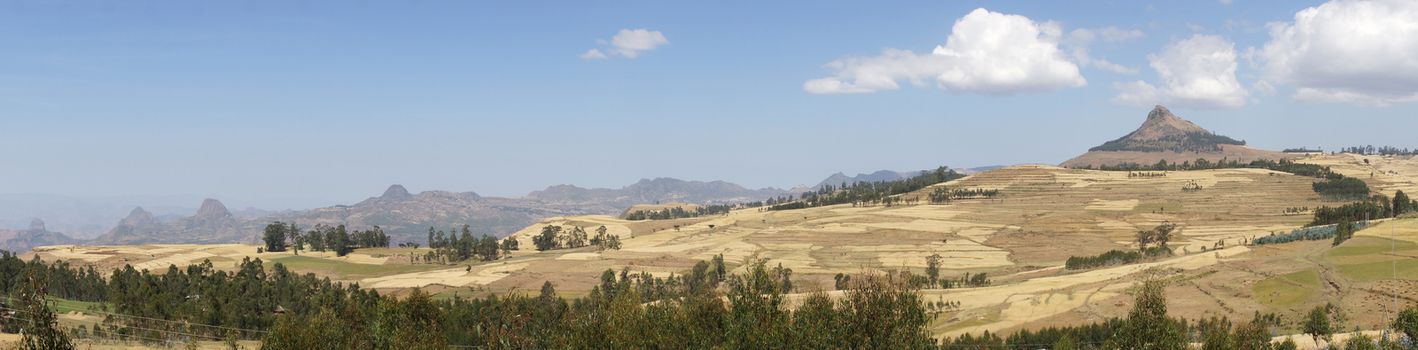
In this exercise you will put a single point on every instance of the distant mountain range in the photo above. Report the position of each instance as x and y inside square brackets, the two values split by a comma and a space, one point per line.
[407, 216]
[33, 236]
[839, 179]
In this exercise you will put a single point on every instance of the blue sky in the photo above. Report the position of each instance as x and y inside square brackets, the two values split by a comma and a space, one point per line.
[292, 104]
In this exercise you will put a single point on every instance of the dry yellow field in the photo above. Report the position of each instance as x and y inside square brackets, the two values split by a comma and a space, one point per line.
[1043, 215]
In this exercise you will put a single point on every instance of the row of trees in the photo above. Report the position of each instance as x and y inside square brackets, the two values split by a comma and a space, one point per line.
[679, 212]
[449, 248]
[278, 236]
[942, 195]
[1374, 207]
[1381, 150]
[867, 193]
[1150, 243]
[555, 237]
[1283, 165]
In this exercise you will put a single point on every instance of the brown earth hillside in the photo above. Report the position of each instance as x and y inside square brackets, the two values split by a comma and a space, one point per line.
[1165, 136]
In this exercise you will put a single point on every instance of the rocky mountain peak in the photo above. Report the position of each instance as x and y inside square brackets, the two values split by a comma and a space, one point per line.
[139, 217]
[212, 209]
[37, 225]
[396, 191]
[1164, 131]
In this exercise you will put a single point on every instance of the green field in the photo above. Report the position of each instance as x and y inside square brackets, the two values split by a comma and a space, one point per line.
[1287, 290]
[1370, 245]
[1368, 259]
[345, 270]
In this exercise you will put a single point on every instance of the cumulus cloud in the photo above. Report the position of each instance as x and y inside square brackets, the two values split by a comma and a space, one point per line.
[1199, 71]
[1361, 52]
[594, 54]
[986, 52]
[628, 43]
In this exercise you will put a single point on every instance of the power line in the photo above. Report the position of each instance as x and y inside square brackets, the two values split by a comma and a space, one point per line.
[141, 328]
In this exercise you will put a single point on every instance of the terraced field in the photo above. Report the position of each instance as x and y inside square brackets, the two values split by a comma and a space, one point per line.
[1020, 238]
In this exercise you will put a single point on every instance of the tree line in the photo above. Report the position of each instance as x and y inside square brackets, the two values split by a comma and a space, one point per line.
[1381, 150]
[679, 212]
[864, 193]
[1160, 235]
[942, 195]
[1377, 206]
[452, 247]
[278, 236]
[555, 237]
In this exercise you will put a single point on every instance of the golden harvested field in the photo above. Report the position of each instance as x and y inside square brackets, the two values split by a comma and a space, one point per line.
[1383, 173]
[1021, 238]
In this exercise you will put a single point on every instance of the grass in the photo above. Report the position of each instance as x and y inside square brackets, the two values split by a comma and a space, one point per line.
[1289, 290]
[61, 305]
[346, 270]
[1405, 269]
[1368, 259]
[65, 305]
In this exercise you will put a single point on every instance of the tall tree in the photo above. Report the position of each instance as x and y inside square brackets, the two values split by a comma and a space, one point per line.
[293, 236]
[1401, 203]
[1317, 324]
[933, 267]
[547, 239]
[275, 237]
[1147, 325]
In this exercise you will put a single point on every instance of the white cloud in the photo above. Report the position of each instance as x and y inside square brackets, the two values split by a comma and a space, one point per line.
[1361, 52]
[987, 52]
[1198, 72]
[631, 42]
[628, 43]
[594, 54]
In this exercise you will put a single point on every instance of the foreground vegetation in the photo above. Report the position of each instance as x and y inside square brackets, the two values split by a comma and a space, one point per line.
[703, 308]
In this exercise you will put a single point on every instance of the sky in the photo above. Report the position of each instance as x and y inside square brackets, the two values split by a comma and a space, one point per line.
[292, 104]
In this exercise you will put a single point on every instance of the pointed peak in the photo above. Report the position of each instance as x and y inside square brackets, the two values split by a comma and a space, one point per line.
[212, 209]
[139, 217]
[396, 191]
[37, 225]
[1160, 112]
[1164, 131]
